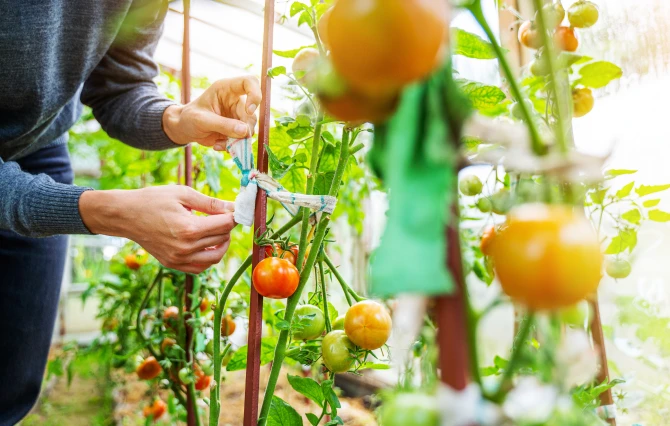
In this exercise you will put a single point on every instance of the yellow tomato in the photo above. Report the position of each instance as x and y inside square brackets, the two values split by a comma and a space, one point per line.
[368, 324]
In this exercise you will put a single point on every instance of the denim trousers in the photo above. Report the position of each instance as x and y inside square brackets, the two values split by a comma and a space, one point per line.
[31, 272]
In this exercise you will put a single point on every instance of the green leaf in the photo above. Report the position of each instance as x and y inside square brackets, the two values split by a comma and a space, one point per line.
[652, 203]
[643, 190]
[282, 414]
[279, 139]
[298, 7]
[598, 196]
[599, 74]
[295, 180]
[659, 216]
[625, 191]
[293, 52]
[482, 96]
[278, 168]
[618, 172]
[626, 240]
[471, 45]
[330, 396]
[306, 18]
[373, 366]
[633, 216]
[313, 419]
[308, 387]
[239, 360]
[277, 71]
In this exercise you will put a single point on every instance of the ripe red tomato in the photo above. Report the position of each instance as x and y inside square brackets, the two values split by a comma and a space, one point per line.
[155, 410]
[171, 316]
[291, 254]
[336, 351]
[368, 324]
[227, 326]
[582, 101]
[566, 39]
[275, 278]
[583, 14]
[385, 44]
[529, 36]
[149, 369]
[547, 256]
[202, 381]
[311, 319]
[487, 238]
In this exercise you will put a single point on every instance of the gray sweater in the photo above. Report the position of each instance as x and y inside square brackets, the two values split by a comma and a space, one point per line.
[54, 56]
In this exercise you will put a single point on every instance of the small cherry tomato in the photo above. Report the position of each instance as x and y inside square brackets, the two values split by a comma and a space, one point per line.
[583, 14]
[291, 254]
[547, 257]
[227, 326]
[204, 304]
[566, 39]
[368, 324]
[338, 324]
[336, 351]
[582, 101]
[487, 238]
[185, 376]
[171, 316]
[304, 64]
[275, 278]
[516, 108]
[311, 319]
[618, 268]
[167, 343]
[529, 36]
[501, 201]
[554, 14]
[416, 409]
[149, 369]
[155, 410]
[484, 205]
[470, 185]
[202, 381]
[576, 315]
[207, 367]
[136, 260]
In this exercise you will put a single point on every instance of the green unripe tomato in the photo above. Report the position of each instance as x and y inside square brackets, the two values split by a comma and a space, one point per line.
[618, 268]
[336, 351]
[470, 185]
[516, 111]
[185, 376]
[501, 201]
[415, 409]
[583, 14]
[226, 359]
[338, 324]
[484, 205]
[554, 14]
[312, 320]
[540, 67]
[207, 367]
[576, 315]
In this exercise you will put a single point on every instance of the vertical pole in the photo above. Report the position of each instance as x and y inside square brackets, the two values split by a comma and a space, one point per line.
[188, 174]
[606, 399]
[256, 302]
[451, 316]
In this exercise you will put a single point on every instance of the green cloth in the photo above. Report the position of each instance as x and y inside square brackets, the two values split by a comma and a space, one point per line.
[415, 155]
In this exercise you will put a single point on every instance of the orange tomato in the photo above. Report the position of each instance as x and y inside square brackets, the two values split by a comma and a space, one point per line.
[227, 326]
[368, 324]
[171, 316]
[381, 45]
[487, 238]
[275, 278]
[529, 36]
[322, 27]
[155, 410]
[202, 381]
[136, 260]
[291, 255]
[354, 107]
[547, 256]
[566, 39]
[204, 304]
[167, 343]
[148, 369]
[582, 101]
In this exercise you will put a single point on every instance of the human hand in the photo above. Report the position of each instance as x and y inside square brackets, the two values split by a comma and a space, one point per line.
[225, 110]
[160, 220]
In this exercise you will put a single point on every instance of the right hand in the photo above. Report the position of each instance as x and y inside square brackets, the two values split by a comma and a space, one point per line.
[160, 220]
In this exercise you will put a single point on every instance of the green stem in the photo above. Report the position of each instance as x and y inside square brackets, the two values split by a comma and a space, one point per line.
[343, 283]
[537, 144]
[302, 246]
[517, 349]
[215, 394]
[194, 401]
[138, 324]
[552, 56]
[471, 329]
[292, 302]
[324, 296]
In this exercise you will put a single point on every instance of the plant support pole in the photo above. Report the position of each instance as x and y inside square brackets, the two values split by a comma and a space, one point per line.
[256, 300]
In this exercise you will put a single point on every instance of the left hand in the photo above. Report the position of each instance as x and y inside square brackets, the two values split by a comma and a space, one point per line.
[225, 110]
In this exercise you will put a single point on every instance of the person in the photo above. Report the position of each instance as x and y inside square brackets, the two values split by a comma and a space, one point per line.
[56, 55]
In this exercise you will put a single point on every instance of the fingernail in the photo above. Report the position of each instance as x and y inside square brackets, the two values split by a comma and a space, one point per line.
[252, 108]
[241, 129]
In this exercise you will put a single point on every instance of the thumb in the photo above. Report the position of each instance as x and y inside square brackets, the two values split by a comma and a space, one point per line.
[202, 203]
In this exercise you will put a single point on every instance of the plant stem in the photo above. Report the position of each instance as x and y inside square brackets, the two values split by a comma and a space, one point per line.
[324, 296]
[471, 329]
[343, 283]
[314, 160]
[537, 144]
[215, 403]
[517, 348]
[138, 324]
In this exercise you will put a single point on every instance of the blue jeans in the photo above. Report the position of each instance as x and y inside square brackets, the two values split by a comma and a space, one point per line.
[31, 272]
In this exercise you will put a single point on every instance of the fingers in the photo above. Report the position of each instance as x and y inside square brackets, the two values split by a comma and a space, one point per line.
[214, 225]
[203, 259]
[224, 126]
[196, 201]
[249, 86]
[211, 241]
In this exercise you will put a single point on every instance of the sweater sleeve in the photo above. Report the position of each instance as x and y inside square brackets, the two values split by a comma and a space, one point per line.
[36, 205]
[121, 91]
